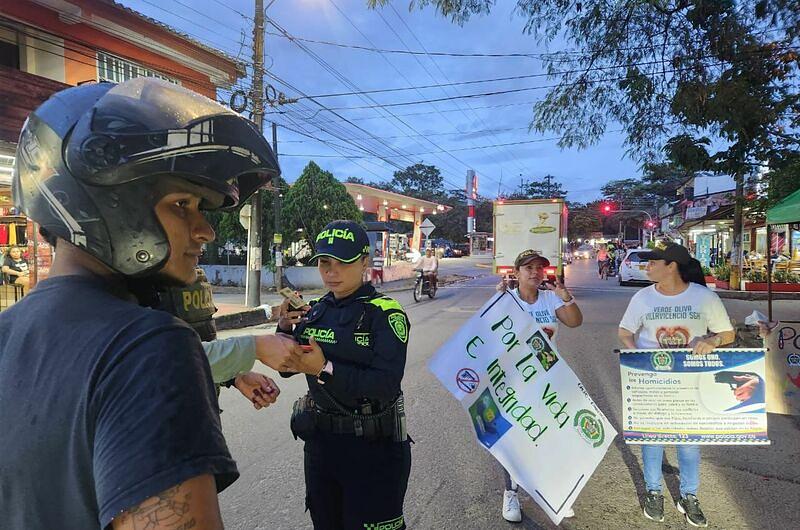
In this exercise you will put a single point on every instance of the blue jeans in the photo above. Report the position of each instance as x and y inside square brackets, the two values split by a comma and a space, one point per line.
[688, 462]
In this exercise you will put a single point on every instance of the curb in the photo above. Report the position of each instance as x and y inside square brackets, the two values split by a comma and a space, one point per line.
[243, 319]
[257, 317]
[754, 296]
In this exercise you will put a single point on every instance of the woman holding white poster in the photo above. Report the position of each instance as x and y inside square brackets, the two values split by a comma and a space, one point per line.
[678, 311]
[548, 306]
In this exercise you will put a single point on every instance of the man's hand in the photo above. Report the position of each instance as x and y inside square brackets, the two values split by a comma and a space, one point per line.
[278, 352]
[259, 389]
[310, 361]
[289, 317]
[747, 387]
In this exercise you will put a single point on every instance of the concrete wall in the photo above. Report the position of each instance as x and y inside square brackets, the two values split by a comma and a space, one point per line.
[301, 277]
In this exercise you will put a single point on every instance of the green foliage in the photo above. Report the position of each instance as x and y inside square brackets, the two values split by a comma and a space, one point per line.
[784, 276]
[583, 220]
[706, 271]
[722, 272]
[420, 181]
[756, 275]
[545, 188]
[314, 200]
[690, 74]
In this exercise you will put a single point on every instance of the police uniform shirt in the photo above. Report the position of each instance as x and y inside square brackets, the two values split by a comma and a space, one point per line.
[365, 336]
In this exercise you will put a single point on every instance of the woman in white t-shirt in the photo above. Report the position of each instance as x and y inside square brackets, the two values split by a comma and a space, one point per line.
[549, 307]
[678, 311]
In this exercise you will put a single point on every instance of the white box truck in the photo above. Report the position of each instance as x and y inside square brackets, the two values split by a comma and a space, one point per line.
[538, 224]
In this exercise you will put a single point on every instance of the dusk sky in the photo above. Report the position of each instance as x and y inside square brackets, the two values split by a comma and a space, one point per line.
[464, 128]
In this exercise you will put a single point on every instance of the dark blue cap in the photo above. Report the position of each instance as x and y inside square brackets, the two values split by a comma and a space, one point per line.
[345, 241]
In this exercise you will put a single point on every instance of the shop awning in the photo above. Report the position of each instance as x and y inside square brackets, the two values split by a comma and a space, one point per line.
[785, 212]
[377, 226]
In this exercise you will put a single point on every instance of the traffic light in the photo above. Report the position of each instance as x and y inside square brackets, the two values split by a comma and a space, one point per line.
[606, 208]
[650, 224]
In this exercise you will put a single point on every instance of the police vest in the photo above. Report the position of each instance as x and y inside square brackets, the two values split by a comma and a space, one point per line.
[193, 304]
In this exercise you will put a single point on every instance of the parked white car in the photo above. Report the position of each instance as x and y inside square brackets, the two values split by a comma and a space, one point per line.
[633, 268]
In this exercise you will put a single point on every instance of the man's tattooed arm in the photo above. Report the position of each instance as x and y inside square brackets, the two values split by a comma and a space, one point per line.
[189, 505]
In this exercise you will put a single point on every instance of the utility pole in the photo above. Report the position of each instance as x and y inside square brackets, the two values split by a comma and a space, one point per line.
[736, 247]
[549, 179]
[253, 288]
[276, 206]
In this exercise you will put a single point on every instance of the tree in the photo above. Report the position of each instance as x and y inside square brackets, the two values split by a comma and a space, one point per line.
[420, 181]
[723, 67]
[584, 219]
[314, 200]
[228, 228]
[545, 188]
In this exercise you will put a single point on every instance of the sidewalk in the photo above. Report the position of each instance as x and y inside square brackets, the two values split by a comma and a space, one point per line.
[238, 315]
[753, 295]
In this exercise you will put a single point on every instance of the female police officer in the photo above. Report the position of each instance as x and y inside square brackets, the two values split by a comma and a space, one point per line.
[357, 455]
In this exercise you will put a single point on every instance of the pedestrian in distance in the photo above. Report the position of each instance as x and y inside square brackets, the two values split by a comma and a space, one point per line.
[377, 267]
[357, 452]
[603, 260]
[550, 306]
[648, 323]
[15, 268]
[110, 414]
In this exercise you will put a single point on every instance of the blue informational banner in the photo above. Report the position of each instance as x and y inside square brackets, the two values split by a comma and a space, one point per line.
[675, 397]
[703, 249]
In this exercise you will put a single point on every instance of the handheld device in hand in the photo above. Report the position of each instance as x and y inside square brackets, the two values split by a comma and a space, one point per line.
[294, 300]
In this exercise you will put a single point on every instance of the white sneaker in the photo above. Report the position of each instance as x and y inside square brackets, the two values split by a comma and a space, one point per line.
[511, 510]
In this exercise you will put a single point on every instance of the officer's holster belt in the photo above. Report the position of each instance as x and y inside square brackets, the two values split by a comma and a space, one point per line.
[308, 418]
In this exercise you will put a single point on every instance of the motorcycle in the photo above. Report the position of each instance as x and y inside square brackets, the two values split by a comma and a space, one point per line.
[422, 286]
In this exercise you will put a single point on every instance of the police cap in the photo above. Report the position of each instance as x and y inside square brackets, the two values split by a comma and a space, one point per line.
[342, 240]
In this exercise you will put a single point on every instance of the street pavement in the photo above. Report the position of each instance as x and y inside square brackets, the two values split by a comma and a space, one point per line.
[455, 483]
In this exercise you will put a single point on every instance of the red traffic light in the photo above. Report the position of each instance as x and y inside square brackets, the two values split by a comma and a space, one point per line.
[606, 208]
[650, 224]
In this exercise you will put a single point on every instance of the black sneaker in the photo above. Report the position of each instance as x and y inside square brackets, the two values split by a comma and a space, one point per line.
[654, 506]
[690, 507]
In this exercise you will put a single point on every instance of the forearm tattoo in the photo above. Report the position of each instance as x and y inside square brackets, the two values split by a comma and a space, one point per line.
[165, 510]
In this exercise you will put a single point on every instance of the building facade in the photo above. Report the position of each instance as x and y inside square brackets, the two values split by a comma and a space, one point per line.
[49, 45]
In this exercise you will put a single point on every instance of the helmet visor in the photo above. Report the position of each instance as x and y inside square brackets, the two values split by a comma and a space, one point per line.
[146, 127]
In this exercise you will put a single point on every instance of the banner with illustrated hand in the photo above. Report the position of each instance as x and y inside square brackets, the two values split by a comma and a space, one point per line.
[676, 397]
[526, 405]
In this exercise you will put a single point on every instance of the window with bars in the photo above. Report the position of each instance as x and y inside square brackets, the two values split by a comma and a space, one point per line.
[117, 70]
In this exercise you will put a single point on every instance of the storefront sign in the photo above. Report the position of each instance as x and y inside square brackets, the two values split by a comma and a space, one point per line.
[696, 212]
[526, 405]
[675, 397]
[783, 369]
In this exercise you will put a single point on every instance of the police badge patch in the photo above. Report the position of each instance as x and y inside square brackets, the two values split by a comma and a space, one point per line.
[397, 321]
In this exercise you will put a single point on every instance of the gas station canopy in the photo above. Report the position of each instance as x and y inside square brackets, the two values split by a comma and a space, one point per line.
[390, 206]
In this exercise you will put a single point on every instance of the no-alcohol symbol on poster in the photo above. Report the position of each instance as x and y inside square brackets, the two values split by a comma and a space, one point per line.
[467, 380]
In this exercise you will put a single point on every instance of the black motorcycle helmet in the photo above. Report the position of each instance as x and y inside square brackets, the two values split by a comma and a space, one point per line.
[89, 160]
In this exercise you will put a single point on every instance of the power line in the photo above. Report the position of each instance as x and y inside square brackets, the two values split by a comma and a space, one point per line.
[435, 64]
[531, 55]
[346, 82]
[423, 137]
